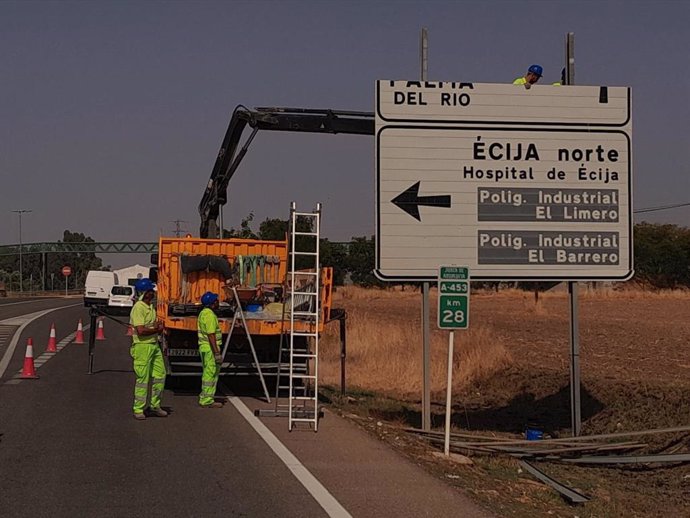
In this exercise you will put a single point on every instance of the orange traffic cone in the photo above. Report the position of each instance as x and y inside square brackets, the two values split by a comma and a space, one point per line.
[99, 333]
[52, 343]
[79, 338]
[29, 370]
[130, 331]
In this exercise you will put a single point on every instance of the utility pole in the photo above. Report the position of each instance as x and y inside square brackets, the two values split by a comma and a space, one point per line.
[178, 228]
[21, 269]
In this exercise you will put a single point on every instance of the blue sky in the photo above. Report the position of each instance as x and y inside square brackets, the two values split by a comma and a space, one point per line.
[113, 112]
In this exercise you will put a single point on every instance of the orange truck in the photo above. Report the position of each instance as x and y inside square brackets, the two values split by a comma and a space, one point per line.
[187, 267]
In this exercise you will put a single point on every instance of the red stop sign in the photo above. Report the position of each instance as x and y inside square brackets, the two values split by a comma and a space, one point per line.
[66, 271]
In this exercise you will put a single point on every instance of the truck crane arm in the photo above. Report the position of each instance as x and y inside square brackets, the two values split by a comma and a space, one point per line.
[276, 119]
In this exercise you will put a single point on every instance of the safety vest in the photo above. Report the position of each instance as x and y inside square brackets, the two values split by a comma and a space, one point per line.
[143, 314]
[520, 81]
[207, 323]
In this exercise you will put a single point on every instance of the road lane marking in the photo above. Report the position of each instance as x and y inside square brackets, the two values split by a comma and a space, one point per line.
[23, 302]
[326, 500]
[41, 360]
[22, 322]
[6, 333]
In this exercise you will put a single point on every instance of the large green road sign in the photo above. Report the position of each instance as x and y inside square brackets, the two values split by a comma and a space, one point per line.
[453, 297]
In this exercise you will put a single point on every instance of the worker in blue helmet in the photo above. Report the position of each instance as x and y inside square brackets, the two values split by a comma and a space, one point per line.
[534, 72]
[210, 339]
[146, 352]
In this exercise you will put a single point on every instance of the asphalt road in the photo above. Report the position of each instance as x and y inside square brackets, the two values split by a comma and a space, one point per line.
[70, 447]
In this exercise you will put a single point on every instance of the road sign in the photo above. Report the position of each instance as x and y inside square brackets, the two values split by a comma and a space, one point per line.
[453, 297]
[544, 194]
[453, 102]
[66, 271]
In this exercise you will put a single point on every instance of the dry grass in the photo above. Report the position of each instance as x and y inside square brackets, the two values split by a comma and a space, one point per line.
[590, 292]
[384, 350]
[384, 353]
[358, 293]
[511, 368]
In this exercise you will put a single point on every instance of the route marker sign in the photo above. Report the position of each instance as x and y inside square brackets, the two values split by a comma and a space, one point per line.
[515, 183]
[66, 271]
[453, 297]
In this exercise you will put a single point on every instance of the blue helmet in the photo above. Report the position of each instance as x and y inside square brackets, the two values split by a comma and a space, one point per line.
[144, 285]
[208, 298]
[536, 69]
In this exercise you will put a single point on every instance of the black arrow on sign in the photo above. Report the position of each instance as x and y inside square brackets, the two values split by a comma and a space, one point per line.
[409, 201]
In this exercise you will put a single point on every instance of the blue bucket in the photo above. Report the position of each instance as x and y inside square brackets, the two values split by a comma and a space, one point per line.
[532, 434]
[253, 308]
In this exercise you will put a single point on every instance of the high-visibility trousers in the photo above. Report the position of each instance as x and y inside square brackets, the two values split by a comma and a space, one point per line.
[209, 377]
[148, 367]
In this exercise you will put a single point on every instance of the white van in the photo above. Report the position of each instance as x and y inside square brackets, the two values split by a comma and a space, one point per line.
[121, 297]
[98, 286]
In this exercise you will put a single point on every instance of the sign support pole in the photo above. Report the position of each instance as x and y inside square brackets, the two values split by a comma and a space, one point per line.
[575, 408]
[449, 391]
[426, 347]
[575, 402]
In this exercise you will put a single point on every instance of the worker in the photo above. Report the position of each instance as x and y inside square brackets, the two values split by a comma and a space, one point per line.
[533, 74]
[562, 81]
[146, 352]
[210, 338]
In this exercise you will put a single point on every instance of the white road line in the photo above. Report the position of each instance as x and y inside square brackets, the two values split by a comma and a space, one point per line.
[43, 359]
[22, 323]
[302, 474]
[23, 302]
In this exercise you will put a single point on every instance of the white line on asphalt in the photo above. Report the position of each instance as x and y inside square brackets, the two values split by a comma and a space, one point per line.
[41, 360]
[23, 302]
[309, 481]
[13, 344]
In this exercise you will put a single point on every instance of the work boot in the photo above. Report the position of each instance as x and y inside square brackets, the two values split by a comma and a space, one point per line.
[215, 404]
[139, 417]
[158, 412]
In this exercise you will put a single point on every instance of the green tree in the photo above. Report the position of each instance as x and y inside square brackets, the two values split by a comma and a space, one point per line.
[335, 256]
[244, 232]
[80, 262]
[662, 254]
[36, 272]
[273, 229]
[361, 260]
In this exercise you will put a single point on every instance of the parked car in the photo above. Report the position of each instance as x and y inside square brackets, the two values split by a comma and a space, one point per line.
[121, 296]
[98, 286]
[120, 300]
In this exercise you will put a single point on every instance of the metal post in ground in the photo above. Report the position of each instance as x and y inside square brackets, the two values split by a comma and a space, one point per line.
[92, 335]
[343, 353]
[449, 393]
[426, 346]
[575, 401]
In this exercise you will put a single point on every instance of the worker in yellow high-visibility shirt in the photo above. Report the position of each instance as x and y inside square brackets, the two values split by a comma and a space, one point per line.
[146, 352]
[210, 338]
[533, 74]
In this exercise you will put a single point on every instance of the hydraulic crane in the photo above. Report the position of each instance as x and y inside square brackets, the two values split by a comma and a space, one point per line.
[276, 119]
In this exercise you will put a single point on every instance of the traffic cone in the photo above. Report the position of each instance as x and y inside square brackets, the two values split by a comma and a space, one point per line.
[29, 370]
[79, 338]
[52, 343]
[130, 331]
[99, 334]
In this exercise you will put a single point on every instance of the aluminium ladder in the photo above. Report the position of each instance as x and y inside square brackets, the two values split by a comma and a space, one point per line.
[243, 321]
[301, 305]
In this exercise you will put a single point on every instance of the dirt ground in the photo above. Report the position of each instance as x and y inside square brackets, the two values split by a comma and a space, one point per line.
[635, 365]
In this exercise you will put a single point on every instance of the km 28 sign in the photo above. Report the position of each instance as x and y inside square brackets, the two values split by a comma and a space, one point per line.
[514, 183]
